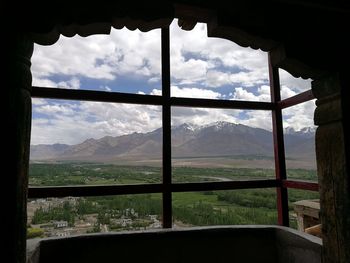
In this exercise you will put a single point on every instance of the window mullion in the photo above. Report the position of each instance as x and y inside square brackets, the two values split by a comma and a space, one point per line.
[278, 141]
[166, 119]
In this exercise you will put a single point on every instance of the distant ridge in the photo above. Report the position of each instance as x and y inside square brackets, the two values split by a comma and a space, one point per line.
[214, 140]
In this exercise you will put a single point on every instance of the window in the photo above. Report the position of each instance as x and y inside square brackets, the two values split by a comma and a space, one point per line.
[175, 185]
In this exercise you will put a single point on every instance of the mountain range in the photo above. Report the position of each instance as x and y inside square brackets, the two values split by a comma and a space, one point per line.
[219, 139]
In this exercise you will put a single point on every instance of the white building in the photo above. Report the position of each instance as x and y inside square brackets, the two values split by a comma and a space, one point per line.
[60, 224]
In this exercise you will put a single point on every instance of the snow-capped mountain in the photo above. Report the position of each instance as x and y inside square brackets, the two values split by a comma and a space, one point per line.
[307, 132]
[213, 140]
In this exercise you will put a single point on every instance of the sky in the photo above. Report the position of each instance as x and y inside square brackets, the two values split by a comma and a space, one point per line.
[129, 61]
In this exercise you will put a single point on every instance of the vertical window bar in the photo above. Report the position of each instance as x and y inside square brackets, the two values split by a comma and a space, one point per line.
[166, 118]
[278, 141]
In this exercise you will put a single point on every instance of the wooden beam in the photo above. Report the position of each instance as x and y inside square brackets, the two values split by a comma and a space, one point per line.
[118, 97]
[297, 99]
[103, 190]
[166, 119]
[92, 190]
[304, 185]
[94, 95]
[221, 104]
[278, 142]
[232, 185]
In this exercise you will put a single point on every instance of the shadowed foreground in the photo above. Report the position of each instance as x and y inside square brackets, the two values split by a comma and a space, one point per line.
[206, 244]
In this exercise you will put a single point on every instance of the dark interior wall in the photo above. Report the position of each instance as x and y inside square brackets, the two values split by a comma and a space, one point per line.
[270, 244]
[16, 85]
[311, 31]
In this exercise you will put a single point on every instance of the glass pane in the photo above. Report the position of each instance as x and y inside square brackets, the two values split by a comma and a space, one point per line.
[221, 145]
[215, 68]
[124, 61]
[299, 139]
[234, 207]
[291, 86]
[304, 208]
[93, 143]
[80, 215]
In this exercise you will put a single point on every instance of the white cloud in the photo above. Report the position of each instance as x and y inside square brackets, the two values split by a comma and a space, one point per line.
[100, 56]
[188, 72]
[258, 119]
[38, 102]
[299, 116]
[188, 93]
[196, 62]
[59, 109]
[286, 92]
[156, 92]
[194, 93]
[132, 52]
[62, 130]
[72, 56]
[73, 83]
[135, 52]
[216, 79]
[202, 116]
[43, 82]
[217, 54]
[297, 85]
[75, 122]
[243, 94]
[264, 90]
[248, 79]
[154, 79]
[105, 88]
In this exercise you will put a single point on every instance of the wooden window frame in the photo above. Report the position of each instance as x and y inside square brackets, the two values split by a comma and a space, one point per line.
[166, 188]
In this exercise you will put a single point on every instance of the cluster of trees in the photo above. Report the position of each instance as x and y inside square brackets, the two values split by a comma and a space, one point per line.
[250, 206]
[194, 174]
[45, 174]
[106, 208]
[56, 174]
[303, 174]
[117, 206]
[202, 214]
[252, 198]
[65, 212]
[34, 232]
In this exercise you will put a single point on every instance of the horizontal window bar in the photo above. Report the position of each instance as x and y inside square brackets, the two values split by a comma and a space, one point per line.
[224, 104]
[93, 95]
[95, 190]
[304, 185]
[191, 187]
[99, 190]
[117, 97]
[297, 99]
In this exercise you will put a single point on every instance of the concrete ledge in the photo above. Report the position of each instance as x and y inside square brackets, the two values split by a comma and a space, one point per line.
[201, 244]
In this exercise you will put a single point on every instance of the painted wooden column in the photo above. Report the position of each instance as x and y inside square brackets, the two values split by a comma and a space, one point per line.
[18, 81]
[332, 169]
